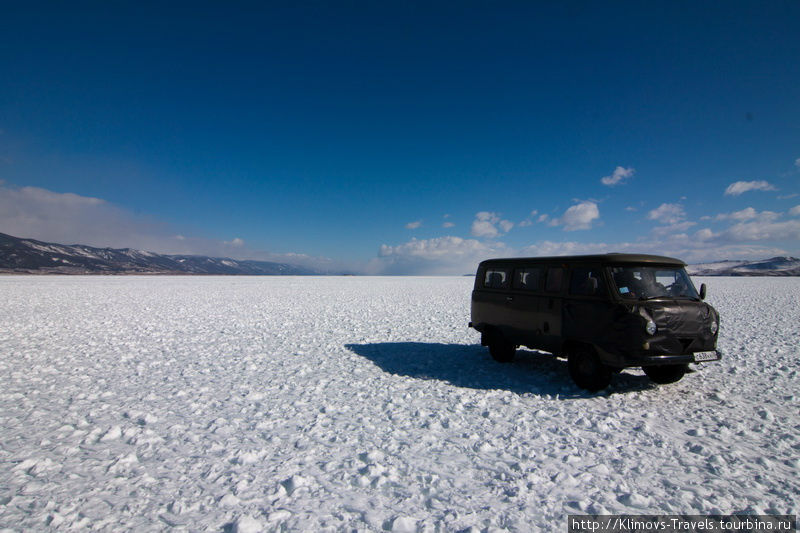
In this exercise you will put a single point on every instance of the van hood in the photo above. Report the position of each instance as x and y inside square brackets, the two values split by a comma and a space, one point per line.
[681, 316]
[683, 326]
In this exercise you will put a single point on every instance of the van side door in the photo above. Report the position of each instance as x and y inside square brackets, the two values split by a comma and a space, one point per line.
[588, 310]
[550, 305]
[526, 286]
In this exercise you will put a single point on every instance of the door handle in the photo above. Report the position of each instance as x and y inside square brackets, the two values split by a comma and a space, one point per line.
[509, 298]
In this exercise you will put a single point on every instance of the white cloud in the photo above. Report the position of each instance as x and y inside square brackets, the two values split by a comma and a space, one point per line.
[751, 227]
[414, 225]
[528, 221]
[578, 217]
[739, 187]
[748, 214]
[617, 177]
[708, 253]
[436, 248]
[691, 250]
[745, 214]
[704, 235]
[68, 218]
[441, 255]
[544, 217]
[485, 225]
[484, 228]
[673, 229]
[58, 200]
[548, 248]
[447, 224]
[797, 162]
[456, 256]
[761, 231]
[667, 214]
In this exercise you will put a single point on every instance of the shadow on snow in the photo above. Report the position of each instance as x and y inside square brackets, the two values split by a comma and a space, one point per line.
[470, 366]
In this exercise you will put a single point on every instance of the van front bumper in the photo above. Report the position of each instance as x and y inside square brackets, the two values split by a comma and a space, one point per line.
[656, 359]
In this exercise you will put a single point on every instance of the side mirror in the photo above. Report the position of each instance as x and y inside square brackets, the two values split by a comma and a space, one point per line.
[702, 291]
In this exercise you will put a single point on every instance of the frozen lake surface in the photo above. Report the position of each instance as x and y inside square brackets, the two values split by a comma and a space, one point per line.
[358, 403]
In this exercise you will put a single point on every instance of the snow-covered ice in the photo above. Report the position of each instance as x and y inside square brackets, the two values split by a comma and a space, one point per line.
[359, 403]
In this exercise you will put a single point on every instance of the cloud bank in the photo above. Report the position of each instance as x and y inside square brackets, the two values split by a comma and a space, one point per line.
[68, 218]
[441, 255]
[751, 235]
[456, 256]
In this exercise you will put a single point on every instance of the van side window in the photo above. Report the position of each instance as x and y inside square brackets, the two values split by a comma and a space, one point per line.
[496, 279]
[527, 279]
[554, 278]
[586, 282]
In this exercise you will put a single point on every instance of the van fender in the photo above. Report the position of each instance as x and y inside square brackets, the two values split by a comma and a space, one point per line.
[487, 334]
[569, 346]
[608, 359]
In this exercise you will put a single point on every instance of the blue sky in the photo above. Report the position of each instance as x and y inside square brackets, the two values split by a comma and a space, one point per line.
[403, 137]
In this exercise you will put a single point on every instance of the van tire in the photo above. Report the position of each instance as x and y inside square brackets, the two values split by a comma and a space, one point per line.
[664, 374]
[586, 369]
[501, 350]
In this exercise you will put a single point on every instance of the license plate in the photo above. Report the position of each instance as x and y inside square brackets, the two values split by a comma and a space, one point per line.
[705, 356]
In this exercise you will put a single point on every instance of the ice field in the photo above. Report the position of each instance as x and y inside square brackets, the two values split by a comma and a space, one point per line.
[361, 403]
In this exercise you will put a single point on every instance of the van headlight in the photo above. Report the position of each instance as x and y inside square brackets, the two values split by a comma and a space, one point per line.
[650, 327]
[714, 327]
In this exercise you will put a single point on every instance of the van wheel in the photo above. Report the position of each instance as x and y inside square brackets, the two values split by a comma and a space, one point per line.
[665, 373]
[502, 350]
[587, 371]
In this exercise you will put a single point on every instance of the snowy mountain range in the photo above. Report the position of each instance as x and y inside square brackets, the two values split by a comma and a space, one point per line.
[775, 266]
[31, 256]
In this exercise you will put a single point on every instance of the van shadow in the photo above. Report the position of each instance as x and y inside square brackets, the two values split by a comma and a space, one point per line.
[470, 366]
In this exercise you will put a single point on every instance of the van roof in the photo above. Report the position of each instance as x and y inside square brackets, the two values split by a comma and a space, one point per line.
[614, 258]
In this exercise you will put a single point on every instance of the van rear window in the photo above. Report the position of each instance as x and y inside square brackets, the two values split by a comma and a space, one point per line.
[527, 279]
[496, 279]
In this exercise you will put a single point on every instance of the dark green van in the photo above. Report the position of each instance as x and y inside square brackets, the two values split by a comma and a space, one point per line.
[602, 312]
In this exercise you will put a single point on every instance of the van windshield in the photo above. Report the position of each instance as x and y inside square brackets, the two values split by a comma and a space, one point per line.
[646, 282]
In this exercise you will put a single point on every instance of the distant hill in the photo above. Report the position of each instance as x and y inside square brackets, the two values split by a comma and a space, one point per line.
[35, 257]
[775, 266]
